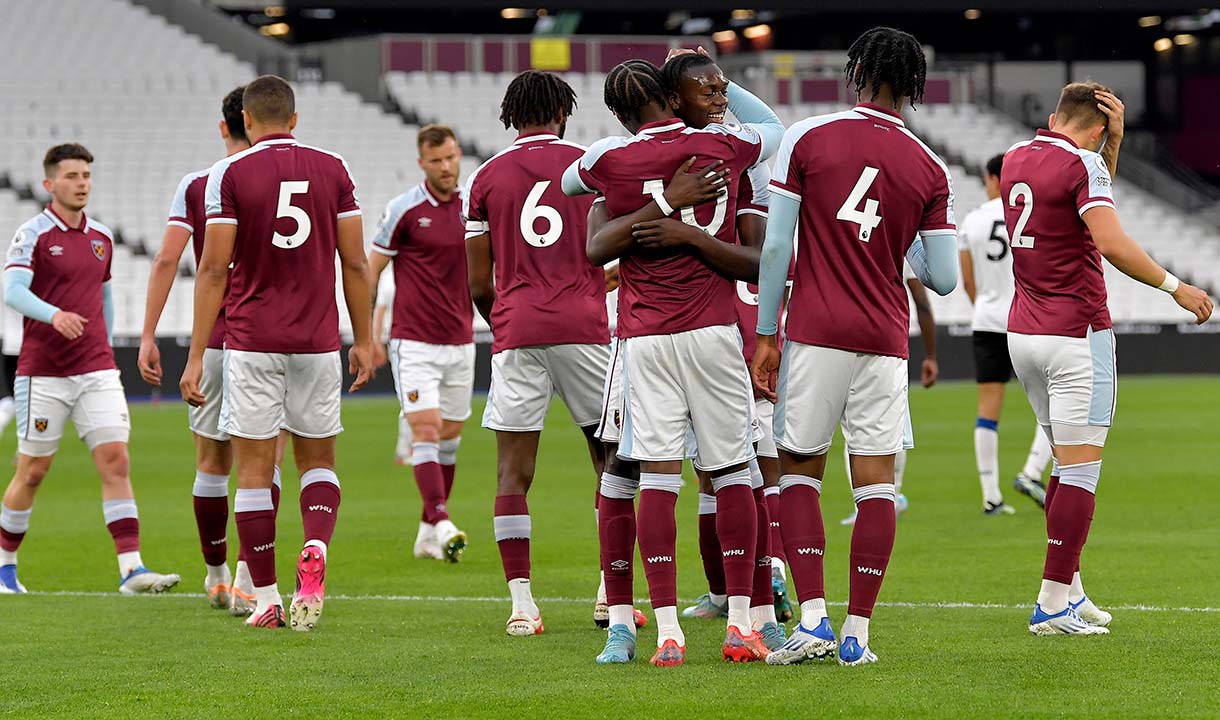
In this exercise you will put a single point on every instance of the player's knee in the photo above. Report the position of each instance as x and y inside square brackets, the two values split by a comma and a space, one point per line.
[214, 458]
[514, 480]
[32, 475]
[112, 460]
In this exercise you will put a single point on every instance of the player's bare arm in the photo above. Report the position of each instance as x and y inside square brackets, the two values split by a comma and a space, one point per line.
[358, 296]
[379, 353]
[929, 371]
[160, 281]
[211, 280]
[736, 262]
[479, 274]
[968, 275]
[1131, 259]
[1114, 110]
[685, 189]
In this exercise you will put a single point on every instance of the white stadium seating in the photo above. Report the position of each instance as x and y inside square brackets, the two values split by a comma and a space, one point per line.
[148, 109]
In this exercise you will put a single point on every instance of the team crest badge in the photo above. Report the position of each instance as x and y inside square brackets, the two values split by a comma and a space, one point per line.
[617, 419]
[40, 424]
[413, 396]
[99, 249]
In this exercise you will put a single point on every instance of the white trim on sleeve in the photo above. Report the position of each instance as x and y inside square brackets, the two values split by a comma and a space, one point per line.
[785, 193]
[221, 221]
[1096, 203]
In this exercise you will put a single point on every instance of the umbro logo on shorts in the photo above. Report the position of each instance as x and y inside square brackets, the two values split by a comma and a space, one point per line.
[660, 558]
[40, 424]
[869, 571]
[413, 396]
[620, 565]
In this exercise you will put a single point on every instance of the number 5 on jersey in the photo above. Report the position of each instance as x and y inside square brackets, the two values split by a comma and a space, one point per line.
[285, 208]
[867, 219]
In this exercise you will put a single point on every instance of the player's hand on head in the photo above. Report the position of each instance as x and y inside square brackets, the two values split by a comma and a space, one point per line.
[687, 189]
[1195, 300]
[678, 52]
[69, 324]
[150, 362]
[192, 375]
[360, 364]
[765, 367]
[1114, 110]
[929, 372]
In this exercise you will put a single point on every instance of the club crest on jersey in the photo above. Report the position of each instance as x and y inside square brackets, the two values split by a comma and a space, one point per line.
[413, 396]
[617, 419]
[40, 424]
[99, 249]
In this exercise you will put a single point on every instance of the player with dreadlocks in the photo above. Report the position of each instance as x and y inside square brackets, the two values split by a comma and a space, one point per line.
[678, 344]
[861, 186]
[546, 308]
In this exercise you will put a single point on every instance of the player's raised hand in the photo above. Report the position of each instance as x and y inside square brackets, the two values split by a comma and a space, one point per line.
[666, 233]
[150, 362]
[1195, 300]
[766, 365]
[192, 375]
[685, 51]
[687, 189]
[929, 372]
[69, 324]
[1115, 111]
[360, 364]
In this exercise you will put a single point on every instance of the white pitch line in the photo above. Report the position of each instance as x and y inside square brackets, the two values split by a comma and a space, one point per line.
[487, 599]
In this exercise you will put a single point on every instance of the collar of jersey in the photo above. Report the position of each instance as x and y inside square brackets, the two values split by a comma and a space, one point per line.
[63, 224]
[1052, 135]
[887, 114]
[276, 139]
[534, 136]
[661, 126]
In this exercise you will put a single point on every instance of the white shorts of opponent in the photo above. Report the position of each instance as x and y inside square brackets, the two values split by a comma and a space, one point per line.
[524, 379]
[431, 377]
[820, 388]
[205, 419]
[1071, 383]
[94, 401]
[696, 378]
[264, 392]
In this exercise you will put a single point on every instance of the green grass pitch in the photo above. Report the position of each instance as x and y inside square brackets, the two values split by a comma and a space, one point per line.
[409, 638]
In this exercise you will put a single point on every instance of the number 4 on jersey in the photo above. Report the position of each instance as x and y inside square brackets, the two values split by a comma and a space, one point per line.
[867, 219]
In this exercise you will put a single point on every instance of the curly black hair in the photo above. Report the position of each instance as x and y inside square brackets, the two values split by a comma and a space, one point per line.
[677, 67]
[885, 56]
[536, 98]
[633, 85]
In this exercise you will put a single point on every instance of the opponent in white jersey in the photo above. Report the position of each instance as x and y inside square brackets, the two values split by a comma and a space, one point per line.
[982, 241]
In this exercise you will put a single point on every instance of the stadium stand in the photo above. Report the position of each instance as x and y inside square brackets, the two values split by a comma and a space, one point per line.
[148, 110]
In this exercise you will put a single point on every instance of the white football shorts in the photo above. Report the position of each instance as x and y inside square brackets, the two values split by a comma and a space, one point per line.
[820, 388]
[431, 377]
[94, 401]
[264, 392]
[610, 428]
[695, 378]
[523, 380]
[1071, 383]
[205, 419]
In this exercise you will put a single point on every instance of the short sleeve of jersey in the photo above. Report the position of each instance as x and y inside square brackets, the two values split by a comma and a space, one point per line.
[746, 141]
[21, 251]
[384, 240]
[219, 197]
[753, 196]
[349, 205]
[788, 179]
[588, 171]
[179, 213]
[474, 207]
[938, 212]
[1094, 187]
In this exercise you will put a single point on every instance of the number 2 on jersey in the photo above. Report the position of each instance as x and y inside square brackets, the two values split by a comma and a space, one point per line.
[285, 208]
[1024, 193]
[867, 219]
[532, 211]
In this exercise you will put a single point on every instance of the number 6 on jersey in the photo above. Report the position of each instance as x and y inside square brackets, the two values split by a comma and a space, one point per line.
[532, 212]
[867, 219]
